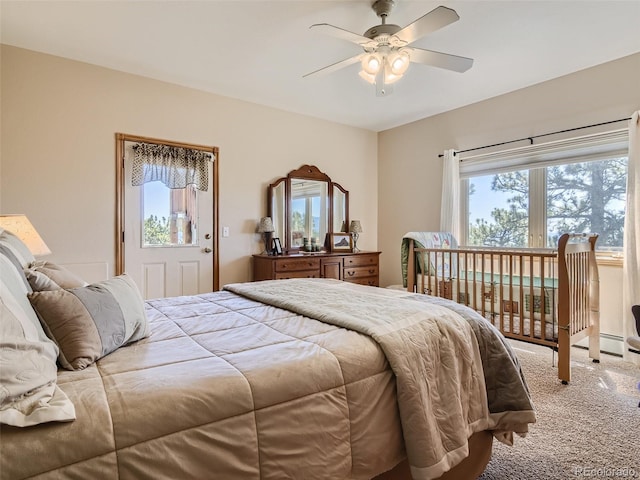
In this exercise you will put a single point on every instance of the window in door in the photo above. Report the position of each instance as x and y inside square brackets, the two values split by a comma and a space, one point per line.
[169, 215]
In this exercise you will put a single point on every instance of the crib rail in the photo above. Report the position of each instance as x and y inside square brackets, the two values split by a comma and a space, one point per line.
[535, 295]
[544, 296]
[515, 289]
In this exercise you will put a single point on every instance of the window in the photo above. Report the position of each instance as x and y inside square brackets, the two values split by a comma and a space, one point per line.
[169, 215]
[528, 197]
[498, 209]
[587, 197]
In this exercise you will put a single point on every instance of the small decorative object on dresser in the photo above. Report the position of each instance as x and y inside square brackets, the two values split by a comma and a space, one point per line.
[341, 242]
[277, 246]
[361, 267]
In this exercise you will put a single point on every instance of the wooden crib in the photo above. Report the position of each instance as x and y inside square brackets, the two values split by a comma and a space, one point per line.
[544, 296]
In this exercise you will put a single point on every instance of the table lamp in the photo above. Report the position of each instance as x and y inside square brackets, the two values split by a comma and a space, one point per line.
[266, 228]
[355, 228]
[22, 228]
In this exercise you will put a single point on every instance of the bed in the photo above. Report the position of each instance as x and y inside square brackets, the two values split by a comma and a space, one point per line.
[544, 296]
[302, 378]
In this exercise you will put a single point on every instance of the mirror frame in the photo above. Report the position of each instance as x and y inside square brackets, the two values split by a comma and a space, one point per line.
[305, 172]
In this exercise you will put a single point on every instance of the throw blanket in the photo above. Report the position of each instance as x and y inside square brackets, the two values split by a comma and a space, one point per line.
[434, 353]
[424, 240]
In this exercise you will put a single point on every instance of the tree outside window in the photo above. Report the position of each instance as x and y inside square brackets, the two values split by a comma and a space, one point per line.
[576, 197]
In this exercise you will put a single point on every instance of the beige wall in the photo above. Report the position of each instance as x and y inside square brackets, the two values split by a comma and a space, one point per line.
[410, 172]
[59, 118]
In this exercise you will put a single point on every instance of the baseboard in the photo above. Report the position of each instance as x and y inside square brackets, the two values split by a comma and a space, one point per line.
[611, 344]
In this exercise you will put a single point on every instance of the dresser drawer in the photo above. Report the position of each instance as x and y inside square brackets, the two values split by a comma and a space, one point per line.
[297, 264]
[371, 281]
[297, 274]
[360, 272]
[361, 267]
[360, 260]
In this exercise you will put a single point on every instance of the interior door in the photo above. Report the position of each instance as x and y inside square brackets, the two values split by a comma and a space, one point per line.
[169, 235]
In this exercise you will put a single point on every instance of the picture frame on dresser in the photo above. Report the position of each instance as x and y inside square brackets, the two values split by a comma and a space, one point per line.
[277, 246]
[341, 242]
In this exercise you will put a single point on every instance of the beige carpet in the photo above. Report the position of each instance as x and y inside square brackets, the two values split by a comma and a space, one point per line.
[589, 428]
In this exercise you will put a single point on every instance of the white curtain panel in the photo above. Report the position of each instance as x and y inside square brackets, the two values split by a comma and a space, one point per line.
[450, 207]
[631, 267]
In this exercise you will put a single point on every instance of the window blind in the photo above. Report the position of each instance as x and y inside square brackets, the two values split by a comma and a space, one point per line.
[586, 148]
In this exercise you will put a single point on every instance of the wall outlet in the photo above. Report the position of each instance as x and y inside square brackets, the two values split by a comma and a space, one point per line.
[225, 231]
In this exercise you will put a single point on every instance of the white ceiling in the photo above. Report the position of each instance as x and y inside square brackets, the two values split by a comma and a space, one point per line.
[258, 51]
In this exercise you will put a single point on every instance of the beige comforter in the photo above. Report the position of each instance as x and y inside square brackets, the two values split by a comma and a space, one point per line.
[230, 388]
[433, 352]
[224, 388]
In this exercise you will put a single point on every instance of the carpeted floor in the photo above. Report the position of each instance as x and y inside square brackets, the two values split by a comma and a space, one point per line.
[589, 428]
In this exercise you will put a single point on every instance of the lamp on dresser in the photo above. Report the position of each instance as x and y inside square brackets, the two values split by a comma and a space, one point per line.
[355, 228]
[265, 227]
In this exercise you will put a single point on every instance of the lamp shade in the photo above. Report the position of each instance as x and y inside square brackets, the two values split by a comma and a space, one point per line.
[355, 226]
[265, 225]
[22, 228]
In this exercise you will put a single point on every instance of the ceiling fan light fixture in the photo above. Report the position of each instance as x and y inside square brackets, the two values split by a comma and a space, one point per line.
[368, 77]
[371, 64]
[399, 62]
[390, 78]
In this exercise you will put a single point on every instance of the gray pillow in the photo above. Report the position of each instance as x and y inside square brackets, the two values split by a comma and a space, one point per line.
[90, 322]
[51, 276]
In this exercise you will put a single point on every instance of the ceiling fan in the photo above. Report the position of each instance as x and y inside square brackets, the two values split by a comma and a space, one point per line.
[387, 53]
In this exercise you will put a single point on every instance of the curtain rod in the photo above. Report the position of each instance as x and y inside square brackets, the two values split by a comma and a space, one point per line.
[537, 136]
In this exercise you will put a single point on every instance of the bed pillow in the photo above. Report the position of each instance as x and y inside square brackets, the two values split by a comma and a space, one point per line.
[90, 322]
[29, 394]
[17, 247]
[50, 276]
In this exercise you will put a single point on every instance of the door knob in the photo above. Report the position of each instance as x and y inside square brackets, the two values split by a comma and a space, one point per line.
[207, 236]
[207, 250]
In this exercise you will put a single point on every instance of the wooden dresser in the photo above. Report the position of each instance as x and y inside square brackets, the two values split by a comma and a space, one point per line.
[360, 267]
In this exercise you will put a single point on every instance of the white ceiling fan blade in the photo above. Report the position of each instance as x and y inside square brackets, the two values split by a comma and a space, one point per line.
[432, 21]
[440, 60]
[336, 66]
[342, 34]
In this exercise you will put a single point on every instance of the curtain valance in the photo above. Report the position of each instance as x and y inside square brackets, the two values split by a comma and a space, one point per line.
[174, 166]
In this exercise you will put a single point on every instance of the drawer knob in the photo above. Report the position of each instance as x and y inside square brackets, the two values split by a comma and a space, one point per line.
[351, 274]
[372, 271]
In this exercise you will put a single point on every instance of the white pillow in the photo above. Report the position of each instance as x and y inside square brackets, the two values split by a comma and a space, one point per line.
[17, 247]
[28, 371]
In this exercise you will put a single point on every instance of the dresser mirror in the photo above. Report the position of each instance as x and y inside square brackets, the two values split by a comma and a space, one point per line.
[307, 204]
